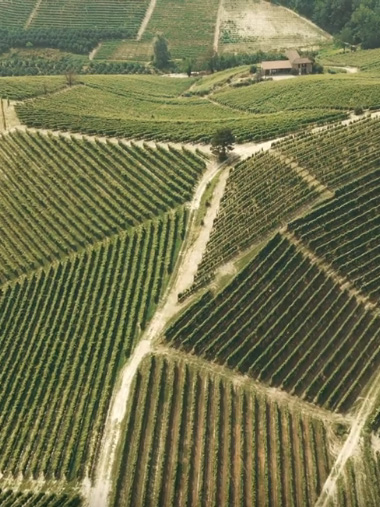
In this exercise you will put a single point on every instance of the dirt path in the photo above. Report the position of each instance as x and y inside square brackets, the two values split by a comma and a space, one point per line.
[146, 19]
[92, 55]
[217, 26]
[98, 493]
[8, 116]
[32, 14]
[351, 445]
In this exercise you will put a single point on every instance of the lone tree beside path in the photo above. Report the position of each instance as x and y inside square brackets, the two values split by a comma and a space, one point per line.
[222, 142]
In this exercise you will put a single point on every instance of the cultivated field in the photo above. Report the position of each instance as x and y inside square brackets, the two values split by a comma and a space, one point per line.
[262, 194]
[366, 60]
[248, 26]
[194, 437]
[286, 322]
[288, 179]
[15, 13]
[312, 92]
[261, 389]
[9, 498]
[89, 13]
[151, 107]
[20, 88]
[57, 196]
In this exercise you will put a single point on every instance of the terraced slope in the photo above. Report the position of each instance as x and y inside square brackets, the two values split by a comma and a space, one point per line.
[90, 14]
[262, 194]
[347, 153]
[194, 437]
[64, 332]
[345, 233]
[188, 26]
[15, 13]
[367, 60]
[285, 321]
[58, 195]
[20, 88]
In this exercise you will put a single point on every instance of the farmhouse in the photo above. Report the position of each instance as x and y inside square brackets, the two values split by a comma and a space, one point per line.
[294, 63]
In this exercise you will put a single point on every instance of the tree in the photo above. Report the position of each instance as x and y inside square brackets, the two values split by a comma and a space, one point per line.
[222, 142]
[70, 77]
[161, 58]
[189, 68]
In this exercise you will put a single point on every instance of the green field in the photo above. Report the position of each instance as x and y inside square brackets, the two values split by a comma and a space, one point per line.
[188, 26]
[59, 206]
[19, 88]
[149, 107]
[90, 13]
[286, 322]
[311, 92]
[15, 13]
[174, 330]
[366, 60]
[212, 442]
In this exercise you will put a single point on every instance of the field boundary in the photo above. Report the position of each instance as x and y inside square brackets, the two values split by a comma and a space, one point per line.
[218, 26]
[32, 14]
[310, 180]
[146, 19]
[99, 493]
[351, 444]
[342, 281]
[262, 388]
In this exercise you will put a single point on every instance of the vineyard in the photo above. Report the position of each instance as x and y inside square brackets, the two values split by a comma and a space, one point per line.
[262, 194]
[194, 437]
[367, 60]
[59, 195]
[151, 114]
[250, 26]
[188, 26]
[15, 13]
[20, 88]
[9, 498]
[311, 92]
[64, 332]
[286, 322]
[73, 14]
[345, 233]
[349, 152]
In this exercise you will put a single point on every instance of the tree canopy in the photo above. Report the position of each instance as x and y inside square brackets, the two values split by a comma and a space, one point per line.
[222, 142]
[161, 58]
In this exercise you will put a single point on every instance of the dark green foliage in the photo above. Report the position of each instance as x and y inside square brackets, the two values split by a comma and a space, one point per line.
[222, 142]
[161, 59]
[78, 41]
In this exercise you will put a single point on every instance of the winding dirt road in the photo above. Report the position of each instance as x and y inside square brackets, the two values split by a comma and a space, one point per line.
[98, 494]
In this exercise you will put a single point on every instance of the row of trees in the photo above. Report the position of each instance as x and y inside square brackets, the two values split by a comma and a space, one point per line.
[352, 21]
